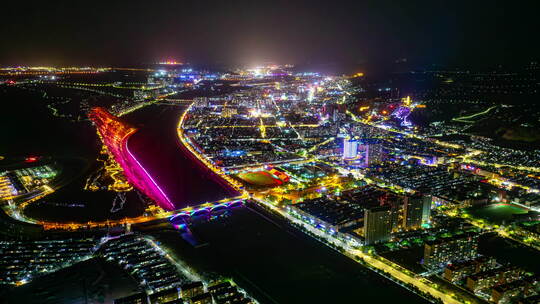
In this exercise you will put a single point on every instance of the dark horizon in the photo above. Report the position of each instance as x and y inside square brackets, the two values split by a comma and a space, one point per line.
[244, 32]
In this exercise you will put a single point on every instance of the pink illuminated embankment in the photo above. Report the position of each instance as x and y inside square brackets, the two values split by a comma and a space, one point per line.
[115, 134]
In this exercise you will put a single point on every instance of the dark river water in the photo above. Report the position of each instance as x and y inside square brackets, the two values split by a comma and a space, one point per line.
[279, 264]
[183, 178]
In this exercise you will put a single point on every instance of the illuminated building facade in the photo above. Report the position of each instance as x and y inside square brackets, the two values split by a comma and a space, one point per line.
[439, 253]
[373, 154]
[350, 148]
[417, 210]
[458, 271]
[493, 277]
[115, 135]
[191, 290]
[377, 224]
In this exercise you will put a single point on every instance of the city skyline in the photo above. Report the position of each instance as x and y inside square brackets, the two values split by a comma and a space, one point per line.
[256, 32]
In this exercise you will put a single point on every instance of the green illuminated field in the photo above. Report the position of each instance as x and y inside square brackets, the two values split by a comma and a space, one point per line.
[259, 178]
[496, 213]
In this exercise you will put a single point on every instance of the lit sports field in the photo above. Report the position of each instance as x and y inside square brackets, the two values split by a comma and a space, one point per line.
[259, 178]
[496, 213]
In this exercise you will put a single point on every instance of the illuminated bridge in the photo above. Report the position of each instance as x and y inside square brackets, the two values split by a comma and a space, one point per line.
[155, 162]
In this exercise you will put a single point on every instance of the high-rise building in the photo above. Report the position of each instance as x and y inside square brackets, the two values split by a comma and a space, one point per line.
[416, 211]
[426, 209]
[350, 148]
[377, 224]
[440, 252]
[395, 202]
[373, 153]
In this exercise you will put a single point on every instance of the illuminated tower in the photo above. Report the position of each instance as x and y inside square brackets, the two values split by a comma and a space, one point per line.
[407, 101]
[373, 154]
[377, 224]
[416, 211]
[311, 94]
[350, 148]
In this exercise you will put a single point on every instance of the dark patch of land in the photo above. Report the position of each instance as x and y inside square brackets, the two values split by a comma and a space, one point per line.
[91, 281]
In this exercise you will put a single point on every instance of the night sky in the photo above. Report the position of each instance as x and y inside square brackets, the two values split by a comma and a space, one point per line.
[253, 32]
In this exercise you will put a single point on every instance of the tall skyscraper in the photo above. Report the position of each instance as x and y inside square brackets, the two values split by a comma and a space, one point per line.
[335, 115]
[426, 209]
[416, 211]
[350, 148]
[373, 153]
[395, 202]
[377, 224]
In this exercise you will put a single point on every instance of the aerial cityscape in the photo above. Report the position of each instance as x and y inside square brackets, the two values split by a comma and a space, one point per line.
[181, 157]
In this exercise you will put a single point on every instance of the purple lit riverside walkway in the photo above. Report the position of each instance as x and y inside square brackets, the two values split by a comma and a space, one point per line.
[183, 178]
